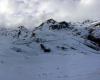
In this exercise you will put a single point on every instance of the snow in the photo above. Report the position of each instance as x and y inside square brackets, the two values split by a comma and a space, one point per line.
[70, 58]
[50, 67]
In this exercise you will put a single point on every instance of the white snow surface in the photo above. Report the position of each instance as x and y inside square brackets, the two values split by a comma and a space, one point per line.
[23, 59]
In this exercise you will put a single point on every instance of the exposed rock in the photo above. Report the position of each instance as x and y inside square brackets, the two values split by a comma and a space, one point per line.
[44, 48]
[51, 21]
[59, 26]
[94, 35]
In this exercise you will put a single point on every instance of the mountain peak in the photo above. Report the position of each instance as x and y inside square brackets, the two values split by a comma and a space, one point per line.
[51, 21]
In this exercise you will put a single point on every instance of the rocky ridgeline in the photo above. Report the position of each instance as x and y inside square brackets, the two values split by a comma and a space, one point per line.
[87, 30]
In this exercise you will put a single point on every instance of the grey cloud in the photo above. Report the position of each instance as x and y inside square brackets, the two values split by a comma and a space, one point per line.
[33, 12]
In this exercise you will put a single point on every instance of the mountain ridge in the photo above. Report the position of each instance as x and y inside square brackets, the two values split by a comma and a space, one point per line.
[55, 36]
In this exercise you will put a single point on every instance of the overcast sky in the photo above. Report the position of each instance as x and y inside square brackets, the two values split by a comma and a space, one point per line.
[33, 12]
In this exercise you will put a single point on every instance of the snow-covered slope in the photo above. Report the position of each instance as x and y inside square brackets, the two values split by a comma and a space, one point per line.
[52, 51]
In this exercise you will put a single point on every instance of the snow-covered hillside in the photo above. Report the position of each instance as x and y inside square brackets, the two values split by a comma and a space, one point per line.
[52, 51]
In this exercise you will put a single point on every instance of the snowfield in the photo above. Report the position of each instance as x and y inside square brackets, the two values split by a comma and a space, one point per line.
[50, 67]
[46, 54]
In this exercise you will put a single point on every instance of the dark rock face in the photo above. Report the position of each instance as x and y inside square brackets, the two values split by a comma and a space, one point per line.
[51, 21]
[93, 36]
[94, 39]
[64, 24]
[22, 31]
[87, 21]
[59, 26]
[33, 35]
[44, 48]
[54, 25]
[97, 24]
[21, 27]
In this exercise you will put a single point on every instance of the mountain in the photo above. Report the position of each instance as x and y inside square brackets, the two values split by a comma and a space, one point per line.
[57, 36]
[52, 51]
